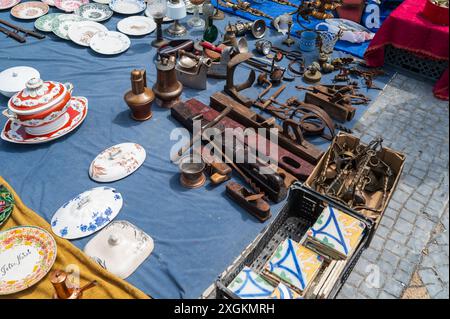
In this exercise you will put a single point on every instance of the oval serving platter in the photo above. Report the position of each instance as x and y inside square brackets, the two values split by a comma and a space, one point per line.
[87, 213]
[117, 162]
[26, 255]
[29, 10]
[94, 12]
[82, 32]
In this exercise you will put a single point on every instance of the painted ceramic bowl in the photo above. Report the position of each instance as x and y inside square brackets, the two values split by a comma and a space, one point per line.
[40, 106]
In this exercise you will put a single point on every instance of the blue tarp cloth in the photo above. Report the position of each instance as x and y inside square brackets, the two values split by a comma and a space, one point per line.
[197, 233]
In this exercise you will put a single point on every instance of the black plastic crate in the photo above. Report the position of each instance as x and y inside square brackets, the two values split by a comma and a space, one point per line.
[302, 209]
[415, 65]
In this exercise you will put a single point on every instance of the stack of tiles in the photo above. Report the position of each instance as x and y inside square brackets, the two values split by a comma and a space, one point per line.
[294, 265]
[335, 234]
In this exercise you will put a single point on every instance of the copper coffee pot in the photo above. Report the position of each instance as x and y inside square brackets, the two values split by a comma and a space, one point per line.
[167, 88]
[140, 98]
[63, 289]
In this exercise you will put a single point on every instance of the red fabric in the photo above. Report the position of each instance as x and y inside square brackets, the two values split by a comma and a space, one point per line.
[406, 29]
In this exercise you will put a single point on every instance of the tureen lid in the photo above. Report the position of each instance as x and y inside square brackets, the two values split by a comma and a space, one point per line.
[117, 162]
[37, 96]
[120, 248]
[13, 80]
[87, 213]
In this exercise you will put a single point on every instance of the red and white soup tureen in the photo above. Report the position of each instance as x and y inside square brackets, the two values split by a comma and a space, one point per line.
[41, 107]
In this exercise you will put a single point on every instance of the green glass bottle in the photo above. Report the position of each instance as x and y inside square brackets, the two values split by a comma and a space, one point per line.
[211, 32]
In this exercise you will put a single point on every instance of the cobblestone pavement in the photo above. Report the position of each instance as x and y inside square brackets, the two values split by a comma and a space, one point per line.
[413, 234]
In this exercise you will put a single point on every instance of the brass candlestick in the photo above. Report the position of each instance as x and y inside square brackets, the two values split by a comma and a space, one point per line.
[159, 41]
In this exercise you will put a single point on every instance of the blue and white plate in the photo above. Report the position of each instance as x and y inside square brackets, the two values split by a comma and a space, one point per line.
[87, 213]
[128, 6]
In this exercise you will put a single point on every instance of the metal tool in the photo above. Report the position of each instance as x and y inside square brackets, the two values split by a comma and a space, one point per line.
[233, 89]
[16, 29]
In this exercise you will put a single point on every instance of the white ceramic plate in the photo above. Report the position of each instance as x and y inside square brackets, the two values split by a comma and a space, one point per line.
[6, 4]
[13, 80]
[102, 1]
[29, 10]
[117, 162]
[62, 23]
[136, 25]
[120, 248]
[87, 213]
[82, 32]
[49, 2]
[26, 255]
[127, 6]
[110, 42]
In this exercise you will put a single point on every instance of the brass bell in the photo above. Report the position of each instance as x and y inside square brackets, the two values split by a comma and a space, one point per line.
[140, 98]
[167, 88]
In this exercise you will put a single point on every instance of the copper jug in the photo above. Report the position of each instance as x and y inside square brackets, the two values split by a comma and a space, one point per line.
[167, 88]
[140, 98]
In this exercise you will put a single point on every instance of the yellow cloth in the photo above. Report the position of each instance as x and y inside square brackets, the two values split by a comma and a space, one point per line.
[109, 285]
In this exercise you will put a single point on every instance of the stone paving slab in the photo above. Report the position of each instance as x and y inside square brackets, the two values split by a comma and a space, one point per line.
[413, 234]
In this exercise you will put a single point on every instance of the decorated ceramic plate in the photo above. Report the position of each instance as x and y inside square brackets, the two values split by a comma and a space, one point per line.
[127, 6]
[69, 5]
[136, 25]
[117, 162]
[120, 248]
[29, 10]
[87, 213]
[62, 23]
[44, 23]
[94, 12]
[26, 255]
[6, 4]
[49, 2]
[6, 204]
[109, 42]
[76, 113]
[82, 32]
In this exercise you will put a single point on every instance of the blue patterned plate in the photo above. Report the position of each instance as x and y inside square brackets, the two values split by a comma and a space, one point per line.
[87, 213]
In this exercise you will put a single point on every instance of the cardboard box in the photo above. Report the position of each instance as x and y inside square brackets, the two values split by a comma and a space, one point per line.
[394, 159]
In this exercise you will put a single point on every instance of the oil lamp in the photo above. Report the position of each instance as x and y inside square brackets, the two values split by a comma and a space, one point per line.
[158, 10]
[196, 22]
[176, 10]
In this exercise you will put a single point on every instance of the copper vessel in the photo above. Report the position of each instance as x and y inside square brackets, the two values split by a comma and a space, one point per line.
[192, 173]
[63, 288]
[167, 88]
[140, 98]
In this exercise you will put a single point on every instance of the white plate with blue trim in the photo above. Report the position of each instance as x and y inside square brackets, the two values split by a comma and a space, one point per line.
[87, 213]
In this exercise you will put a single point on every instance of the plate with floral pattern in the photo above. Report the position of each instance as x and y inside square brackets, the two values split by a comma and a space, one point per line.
[6, 204]
[87, 213]
[69, 5]
[51, 3]
[6, 4]
[44, 23]
[94, 12]
[76, 113]
[26, 255]
[82, 32]
[29, 10]
[110, 42]
[62, 23]
[117, 162]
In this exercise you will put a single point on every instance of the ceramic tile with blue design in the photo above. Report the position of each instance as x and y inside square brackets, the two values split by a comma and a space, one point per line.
[284, 292]
[335, 233]
[250, 285]
[293, 264]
